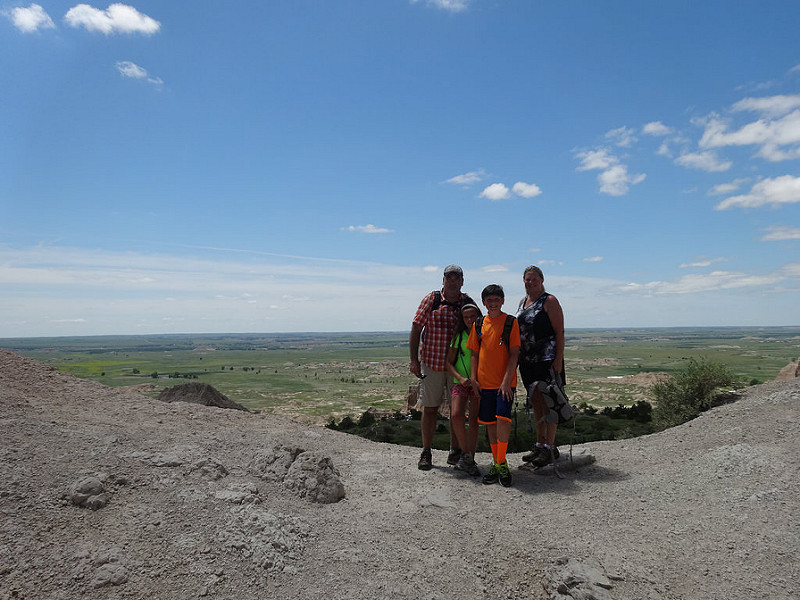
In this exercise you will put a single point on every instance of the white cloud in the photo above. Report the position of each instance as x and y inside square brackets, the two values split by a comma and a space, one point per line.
[31, 19]
[781, 233]
[596, 159]
[771, 106]
[622, 136]
[703, 262]
[494, 269]
[727, 188]
[495, 192]
[656, 128]
[704, 161]
[593, 259]
[616, 181]
[778, 138]
[117, 18]
[369, 228]
[448, 5]
[134, 71]
[467, 178]
[526, 190]
[707, 282]
[773, 192]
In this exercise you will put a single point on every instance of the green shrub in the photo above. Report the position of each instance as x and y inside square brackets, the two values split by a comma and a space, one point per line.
[687, 393]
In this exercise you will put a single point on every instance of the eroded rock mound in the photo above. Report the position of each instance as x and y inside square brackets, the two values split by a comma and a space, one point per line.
[310, 475]
[198, 393]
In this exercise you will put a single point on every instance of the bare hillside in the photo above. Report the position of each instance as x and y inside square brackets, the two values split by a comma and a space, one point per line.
[107, 494]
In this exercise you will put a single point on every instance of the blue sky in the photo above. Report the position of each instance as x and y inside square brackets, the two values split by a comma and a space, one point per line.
[312, 166]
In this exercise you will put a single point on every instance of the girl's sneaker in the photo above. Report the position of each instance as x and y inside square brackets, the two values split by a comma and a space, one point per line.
[504, 475]
[492, 475]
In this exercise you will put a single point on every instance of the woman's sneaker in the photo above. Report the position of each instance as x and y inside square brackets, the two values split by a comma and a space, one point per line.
[467, 464]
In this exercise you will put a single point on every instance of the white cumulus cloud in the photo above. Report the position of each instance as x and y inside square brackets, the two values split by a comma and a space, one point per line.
[495, 192]
[117, 18]
[596, 159]
[30, 19]
[771, 191]
[727, 188]
[134, 71]
[622, 136]
[616, 181]
[526, 190]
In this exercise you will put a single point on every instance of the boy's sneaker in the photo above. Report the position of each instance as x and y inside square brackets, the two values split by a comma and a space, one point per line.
[425, 460]
[504, 475]
[467, 464]
[453, 456]
[492, 476]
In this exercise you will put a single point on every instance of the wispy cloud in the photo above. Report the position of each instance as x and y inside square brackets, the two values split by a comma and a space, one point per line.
[369, 228]
[614, 178]
[767, 192]
[622, 136]
[781, 233]
[727, 188]
[776, 132]
[467, 178]
[134, 71]
[448, 5]
[30, 19]
[703, 161]
[593, 259]
[707, 282]
[117, 18]
[702, 262]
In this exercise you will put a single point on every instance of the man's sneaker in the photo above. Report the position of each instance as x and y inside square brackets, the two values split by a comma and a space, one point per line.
[492, 476]
[504, 475]
[545, 457]
[453, 456]
[425, 460]
[467, 464]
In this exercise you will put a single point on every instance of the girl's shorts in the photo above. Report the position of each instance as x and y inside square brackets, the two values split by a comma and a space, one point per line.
[463, 390]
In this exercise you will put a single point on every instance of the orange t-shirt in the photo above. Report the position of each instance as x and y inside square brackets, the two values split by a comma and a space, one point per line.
[493, 356]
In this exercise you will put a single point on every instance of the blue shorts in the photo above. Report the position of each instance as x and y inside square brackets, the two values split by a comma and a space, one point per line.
[493, 406]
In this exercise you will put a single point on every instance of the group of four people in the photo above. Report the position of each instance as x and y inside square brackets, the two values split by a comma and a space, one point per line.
[458, 351]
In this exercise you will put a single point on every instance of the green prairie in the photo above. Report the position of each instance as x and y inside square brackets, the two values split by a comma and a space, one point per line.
[314, 376]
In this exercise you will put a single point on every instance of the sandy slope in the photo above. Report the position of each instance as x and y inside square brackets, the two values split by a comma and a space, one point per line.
[706, 510]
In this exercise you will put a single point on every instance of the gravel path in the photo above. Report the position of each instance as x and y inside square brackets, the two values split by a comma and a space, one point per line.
[186, 501]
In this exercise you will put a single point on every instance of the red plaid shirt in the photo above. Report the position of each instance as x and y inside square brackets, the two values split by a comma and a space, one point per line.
[437, 329]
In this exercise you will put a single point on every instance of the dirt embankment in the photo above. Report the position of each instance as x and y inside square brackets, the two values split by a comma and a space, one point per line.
[109, 494]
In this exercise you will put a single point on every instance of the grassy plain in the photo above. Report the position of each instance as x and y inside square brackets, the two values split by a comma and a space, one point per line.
[314, 377]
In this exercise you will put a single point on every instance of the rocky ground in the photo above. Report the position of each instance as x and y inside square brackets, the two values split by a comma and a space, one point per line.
[105, 493]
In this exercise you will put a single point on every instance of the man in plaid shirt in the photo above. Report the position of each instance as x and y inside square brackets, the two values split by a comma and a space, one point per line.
[433, 326]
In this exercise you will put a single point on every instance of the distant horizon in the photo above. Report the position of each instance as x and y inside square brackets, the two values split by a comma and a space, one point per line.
[384, 332]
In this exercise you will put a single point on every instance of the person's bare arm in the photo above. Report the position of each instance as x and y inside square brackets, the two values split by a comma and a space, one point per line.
[556, 314]
[413, 348]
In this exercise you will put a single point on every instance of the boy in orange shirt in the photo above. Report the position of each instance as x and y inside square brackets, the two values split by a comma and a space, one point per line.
[493, 371]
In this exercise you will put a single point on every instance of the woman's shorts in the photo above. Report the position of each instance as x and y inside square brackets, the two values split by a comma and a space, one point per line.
[538, 372]
[494, 406]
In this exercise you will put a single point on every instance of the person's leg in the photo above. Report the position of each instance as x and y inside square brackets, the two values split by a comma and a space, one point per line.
[457, 426]
[472, 434]
[431, 388]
